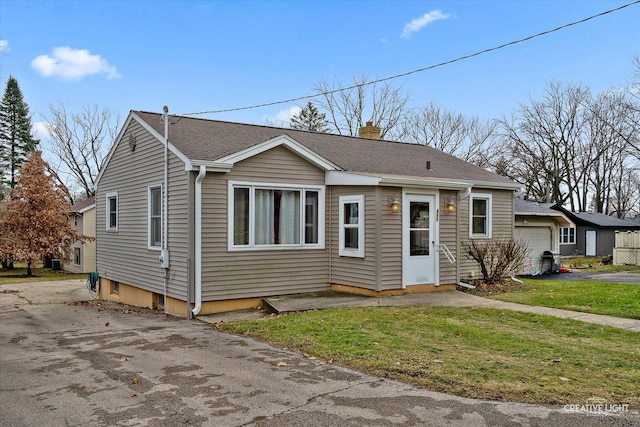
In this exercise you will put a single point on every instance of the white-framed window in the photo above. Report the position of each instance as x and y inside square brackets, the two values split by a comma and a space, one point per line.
[275, 216]
[567, 235]
[77, 254]
[351, 220]
[480, 215]
[154, 217]
[112, 215]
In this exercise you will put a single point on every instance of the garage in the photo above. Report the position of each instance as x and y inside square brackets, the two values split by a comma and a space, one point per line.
[538, 239]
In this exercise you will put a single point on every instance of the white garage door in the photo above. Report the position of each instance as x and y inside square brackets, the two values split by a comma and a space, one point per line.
[538, 238]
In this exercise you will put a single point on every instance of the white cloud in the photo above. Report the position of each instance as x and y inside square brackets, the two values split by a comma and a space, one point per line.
[284, 116]
[40, 131]
[419, 23]
[73, 64]
[4, 45]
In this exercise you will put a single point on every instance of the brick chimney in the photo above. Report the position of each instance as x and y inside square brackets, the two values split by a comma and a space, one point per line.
[369, 131]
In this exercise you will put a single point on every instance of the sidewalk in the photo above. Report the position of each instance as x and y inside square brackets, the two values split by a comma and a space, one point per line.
[322, 300]
[75, 290]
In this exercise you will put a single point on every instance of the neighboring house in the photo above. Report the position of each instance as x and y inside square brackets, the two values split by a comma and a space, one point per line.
[256, 211]
[83, 220]
[542, 228]
[594, 233]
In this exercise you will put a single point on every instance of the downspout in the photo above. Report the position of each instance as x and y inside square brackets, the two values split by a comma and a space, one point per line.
[165, 234]
[328, 244]
[198, 242]
[466, 193]
[465, 285]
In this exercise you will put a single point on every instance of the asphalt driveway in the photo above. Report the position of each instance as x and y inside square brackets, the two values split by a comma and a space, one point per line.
[90, 364]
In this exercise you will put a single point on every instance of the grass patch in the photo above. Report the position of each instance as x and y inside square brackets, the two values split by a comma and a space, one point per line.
[594, 265]
[476, 353]
[40, 274]
[612, 268]
[613, 299]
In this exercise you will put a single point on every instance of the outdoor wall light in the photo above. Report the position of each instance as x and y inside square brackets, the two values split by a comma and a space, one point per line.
[450, 206]
[394, 204]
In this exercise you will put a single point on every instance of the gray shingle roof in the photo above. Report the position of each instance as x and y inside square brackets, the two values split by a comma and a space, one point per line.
[528, 206]
[210, 140]
[83, 204]
[603, 220]
[598, 219]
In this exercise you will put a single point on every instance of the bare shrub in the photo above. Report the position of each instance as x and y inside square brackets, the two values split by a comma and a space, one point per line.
[497, 258]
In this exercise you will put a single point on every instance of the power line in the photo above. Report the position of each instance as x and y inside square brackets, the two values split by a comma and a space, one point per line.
[419, 70]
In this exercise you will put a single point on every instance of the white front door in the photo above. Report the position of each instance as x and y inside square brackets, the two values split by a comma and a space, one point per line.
[418, 239]
[590, 249]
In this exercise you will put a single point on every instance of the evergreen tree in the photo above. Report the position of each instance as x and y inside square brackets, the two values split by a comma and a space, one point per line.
[310, 119]
[16, 142]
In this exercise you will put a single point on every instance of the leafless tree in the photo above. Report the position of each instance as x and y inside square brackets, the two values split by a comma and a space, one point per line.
[634, 104]
[624, 196]
[348, 108]
[612, 130]
[573, 148]
[81, 141]
[546, 143]
[466, 138]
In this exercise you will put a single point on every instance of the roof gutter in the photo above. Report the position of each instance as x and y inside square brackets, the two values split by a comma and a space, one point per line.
[198, 242]
[428, 182]
[355, 178]
[212, 166]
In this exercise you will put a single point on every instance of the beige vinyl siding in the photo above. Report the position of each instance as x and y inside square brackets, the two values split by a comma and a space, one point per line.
[253, 273]
[502, 224]
[390, 241]
[361, 272]
[449, 236]
[71, 267]
[89, 251]
[86, 227]
[124, 256]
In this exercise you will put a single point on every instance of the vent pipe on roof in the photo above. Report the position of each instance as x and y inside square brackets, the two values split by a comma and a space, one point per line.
[369, 131]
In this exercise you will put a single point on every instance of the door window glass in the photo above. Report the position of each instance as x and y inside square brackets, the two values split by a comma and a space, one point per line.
[419, 232]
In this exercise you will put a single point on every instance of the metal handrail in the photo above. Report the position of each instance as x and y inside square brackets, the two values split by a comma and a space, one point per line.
[442, 247]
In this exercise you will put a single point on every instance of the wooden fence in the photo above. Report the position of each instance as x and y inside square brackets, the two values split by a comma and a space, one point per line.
[627, 248]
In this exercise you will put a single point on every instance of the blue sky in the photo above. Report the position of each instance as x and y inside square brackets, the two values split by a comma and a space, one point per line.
[197, 55]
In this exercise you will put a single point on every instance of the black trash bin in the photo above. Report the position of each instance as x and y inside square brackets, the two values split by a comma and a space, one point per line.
[550, 262]
[56, 264]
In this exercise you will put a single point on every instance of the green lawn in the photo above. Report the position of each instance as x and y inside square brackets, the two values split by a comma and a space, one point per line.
[477, 353]
[594, 264]
[613, 299]
[19, 275]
